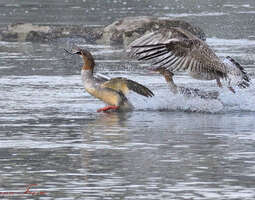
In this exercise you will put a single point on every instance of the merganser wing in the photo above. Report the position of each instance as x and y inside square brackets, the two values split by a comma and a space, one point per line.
[125, 85]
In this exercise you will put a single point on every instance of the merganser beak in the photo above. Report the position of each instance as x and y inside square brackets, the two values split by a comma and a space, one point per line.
[74, 52]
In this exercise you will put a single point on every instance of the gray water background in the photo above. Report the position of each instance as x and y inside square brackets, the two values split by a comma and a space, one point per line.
[169, 147]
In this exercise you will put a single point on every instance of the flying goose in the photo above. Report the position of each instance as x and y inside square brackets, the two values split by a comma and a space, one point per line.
[176, 49]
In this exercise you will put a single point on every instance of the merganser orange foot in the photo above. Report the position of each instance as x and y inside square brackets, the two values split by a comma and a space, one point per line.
[111, 91]
[106, 108]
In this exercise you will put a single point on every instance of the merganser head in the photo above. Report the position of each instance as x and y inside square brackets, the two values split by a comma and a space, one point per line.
[88, 59]
[81, 52]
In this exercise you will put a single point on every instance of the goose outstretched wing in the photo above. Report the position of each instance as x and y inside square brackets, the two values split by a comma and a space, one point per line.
[177, 50]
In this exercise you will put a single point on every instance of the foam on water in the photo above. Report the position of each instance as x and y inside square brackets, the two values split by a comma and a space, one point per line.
[164, 100]
[196, 14]
[66, 94]
[230, 42]
[243, 100]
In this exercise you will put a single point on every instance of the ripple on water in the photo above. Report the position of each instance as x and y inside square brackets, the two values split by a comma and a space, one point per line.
[51, 134]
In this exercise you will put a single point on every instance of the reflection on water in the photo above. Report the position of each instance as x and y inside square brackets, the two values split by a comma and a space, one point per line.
[169, 147]
[134, 155]
[169, 164]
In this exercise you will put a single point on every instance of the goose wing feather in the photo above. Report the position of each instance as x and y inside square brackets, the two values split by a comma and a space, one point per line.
[177, 50]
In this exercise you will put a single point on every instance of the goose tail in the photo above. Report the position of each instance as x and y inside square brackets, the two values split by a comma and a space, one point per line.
[239, 73]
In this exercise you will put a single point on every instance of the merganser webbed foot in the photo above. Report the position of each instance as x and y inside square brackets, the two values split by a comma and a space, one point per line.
[177, 49]
[106, 108]
[111, 91]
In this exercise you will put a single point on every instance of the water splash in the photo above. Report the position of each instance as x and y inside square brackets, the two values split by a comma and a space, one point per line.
[227, 102]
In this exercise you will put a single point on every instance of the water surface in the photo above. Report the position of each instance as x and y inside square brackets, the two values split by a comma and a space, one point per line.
[169, 147]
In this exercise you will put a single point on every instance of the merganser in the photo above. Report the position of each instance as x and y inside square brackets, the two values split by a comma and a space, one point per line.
[111, 91]
[188, 92]
[179, 50]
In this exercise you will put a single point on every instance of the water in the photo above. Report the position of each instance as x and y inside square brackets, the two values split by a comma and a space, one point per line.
[169, 147]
